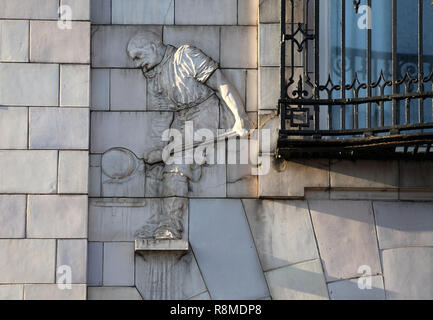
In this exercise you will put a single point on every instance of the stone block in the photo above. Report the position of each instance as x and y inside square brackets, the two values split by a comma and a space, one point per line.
[269, 90]
[73, 172]
[128, 90]
[416, 174]
[239, 47]
[94, 181]
[404, 224]
[27, 261]
[304, 281]
[29, 9]
[14, 40]
[248, 12]
[13, 128]
[211, 184]
[202, 296]
[270, 11]
[205, 38]
[94, 264]
[252, 91]
[118, 264]
[100, 89]
[12, 292]
[100, 11]
[80, 8]
[135, 131]
[57, 217]
[53, 292]
[307, 174]
[109, 45]
[73, 253]
[179, 280]
[29, 84]
[119, 219]
[282, 232]
[364, 174]
[211, 12]
[349, 289]
[74, 86]
[408, 273]
[12, 216]
[28, 171]
[216, 225]
[143, 12]
[49, 43]
[113, 293]
[59, 128]
[346, 237]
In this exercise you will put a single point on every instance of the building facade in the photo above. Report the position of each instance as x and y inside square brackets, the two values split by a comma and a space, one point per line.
[300, 220]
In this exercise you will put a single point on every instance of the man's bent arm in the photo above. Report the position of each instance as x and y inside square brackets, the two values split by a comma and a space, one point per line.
[232, 99]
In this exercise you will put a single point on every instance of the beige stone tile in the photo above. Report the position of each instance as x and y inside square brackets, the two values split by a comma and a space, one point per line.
[53, 292]
[12, 216]
[346, 237]
[27, 261]
[73, 172]
[13, 128]
[248, 12]
[73, 253]
[302, 281]
[74, 86]
[12, 292]
[49, 43]
[29, 84]
[28, 171]
[57, 217]
[80, 8]
[29, 9]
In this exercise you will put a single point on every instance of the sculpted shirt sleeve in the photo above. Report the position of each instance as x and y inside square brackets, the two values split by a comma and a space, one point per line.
[196, 64]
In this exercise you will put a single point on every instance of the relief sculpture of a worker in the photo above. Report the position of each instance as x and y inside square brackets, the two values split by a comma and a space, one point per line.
[185, 81]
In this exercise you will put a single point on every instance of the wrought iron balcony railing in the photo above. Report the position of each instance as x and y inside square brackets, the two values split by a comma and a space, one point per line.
[371, 103]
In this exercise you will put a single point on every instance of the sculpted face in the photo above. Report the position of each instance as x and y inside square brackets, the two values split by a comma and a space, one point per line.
[145, 58]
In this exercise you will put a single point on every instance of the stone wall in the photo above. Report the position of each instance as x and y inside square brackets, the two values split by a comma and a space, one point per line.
[44, 138]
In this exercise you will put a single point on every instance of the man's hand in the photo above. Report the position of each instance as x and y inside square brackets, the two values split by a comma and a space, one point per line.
[242, 127]
[153, 156]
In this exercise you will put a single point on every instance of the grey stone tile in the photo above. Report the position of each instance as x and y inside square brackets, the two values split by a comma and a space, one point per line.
[80, 8]
[29, 84]
[404, 224]
[206, 12]
[109, 45]
[27, 261]
[304, 281]
[205, 38]
[28, 171]
[100, 11]
[243, 41]
[74, 86]
[100, 89]
[416, 174]
[143, 12]
[369, 174]
[128, 90]
[73, 253]
[346, 236]
[113, 293]
[168, 276]
[248, 12]
[135, 131]
[13, 128]
[49, 43]
[12, 216]
[73, 172]
[94, 264]
[53, 292]
[118, 264]
[408, 273]
[29, 9]
[216, 225]
[59, 128]
[51, 216]
[14, 41]
[349, 289]
[282, 232]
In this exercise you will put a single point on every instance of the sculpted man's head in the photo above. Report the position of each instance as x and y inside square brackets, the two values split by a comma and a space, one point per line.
[146, 50]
